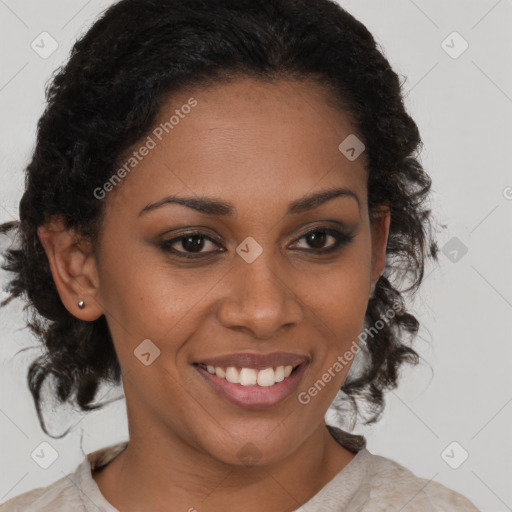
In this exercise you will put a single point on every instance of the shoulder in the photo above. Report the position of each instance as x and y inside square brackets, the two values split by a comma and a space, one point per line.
[72, 492]
[392, 484]
[61, 495]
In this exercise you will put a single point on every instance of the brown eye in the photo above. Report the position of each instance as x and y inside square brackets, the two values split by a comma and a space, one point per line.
[318, 237]
[189, 245]
[193, 243]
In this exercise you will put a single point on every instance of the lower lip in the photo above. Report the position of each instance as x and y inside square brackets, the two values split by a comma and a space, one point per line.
[254, 396]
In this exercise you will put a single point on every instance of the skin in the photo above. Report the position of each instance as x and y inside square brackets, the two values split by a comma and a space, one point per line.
[259, 146]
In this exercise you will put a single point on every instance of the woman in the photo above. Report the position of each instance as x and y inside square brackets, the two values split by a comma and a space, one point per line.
[224, 210]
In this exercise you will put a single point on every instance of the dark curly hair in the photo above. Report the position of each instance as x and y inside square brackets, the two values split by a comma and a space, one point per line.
[106, 98]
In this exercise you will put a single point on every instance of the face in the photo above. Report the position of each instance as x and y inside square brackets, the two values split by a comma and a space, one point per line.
[250, 267]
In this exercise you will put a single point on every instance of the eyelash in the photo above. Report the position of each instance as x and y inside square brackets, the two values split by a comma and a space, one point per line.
[341, 239]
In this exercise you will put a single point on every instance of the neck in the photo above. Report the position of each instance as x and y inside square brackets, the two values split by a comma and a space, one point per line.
[157, 470]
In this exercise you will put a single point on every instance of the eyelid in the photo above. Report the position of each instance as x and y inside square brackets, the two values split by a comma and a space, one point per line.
[326, 226]
[184, 232]
[175, 239]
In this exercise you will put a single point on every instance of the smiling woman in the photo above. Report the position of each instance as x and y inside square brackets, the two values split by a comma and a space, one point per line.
[262, 243]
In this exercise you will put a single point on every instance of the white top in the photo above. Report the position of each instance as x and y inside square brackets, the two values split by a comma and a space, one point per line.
[368, 483]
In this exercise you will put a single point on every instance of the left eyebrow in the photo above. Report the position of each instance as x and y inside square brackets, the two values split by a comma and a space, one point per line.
[213, 206]
[309, 202]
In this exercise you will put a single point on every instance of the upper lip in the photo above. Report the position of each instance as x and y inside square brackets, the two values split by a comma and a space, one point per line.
[255, 361]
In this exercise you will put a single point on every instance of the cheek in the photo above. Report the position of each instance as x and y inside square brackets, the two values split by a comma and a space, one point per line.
[146, 298]
[339, 300]
[339, 292]
[339, 304]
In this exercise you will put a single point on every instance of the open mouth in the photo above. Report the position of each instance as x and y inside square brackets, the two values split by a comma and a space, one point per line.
[247, 387]
[251, 377]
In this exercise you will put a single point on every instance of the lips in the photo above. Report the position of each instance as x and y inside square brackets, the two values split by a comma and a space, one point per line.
[254, 360]
[238, 377]
[255, 395]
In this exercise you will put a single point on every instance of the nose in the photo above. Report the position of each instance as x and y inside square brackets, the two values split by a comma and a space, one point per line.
[259, 299]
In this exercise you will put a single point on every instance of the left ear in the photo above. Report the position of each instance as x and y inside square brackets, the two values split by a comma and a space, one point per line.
[380, 222]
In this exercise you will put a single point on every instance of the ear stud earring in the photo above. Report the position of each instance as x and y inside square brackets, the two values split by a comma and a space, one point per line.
[81, 304]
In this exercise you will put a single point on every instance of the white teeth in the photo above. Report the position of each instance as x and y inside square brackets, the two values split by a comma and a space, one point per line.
[279, 374]
[232, 375]
[250, 376]
[247, 377]
[267, 377]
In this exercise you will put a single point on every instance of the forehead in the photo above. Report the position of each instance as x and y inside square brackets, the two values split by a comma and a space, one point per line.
[245, 140]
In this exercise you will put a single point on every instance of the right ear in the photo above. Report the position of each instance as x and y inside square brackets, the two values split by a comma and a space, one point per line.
[74, 268]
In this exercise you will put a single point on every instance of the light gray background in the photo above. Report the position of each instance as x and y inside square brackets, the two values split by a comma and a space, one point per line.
[463, 106]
